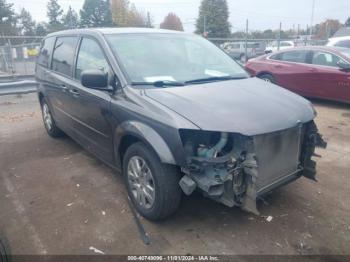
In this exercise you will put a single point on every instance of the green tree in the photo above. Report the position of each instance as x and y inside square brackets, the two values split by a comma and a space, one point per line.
[41, 29]
[347, 22]
[54, 13]
[96, 13]
[149, 20]
[26, 24]
[70, 19]
[8, 19]
[213, 18]
[172, 22]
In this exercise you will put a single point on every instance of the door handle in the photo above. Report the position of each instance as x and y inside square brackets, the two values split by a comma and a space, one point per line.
[64, 87]
[74, 92]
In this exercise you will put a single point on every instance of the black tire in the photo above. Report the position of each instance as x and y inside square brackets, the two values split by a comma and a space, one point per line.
[51, 129]
[166, 178]
[5, 253]
[268, 78]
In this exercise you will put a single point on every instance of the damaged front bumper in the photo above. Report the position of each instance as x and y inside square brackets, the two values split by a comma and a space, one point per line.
[254, 167]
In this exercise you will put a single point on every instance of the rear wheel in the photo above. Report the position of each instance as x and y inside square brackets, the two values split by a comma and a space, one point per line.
[267, 78]
[153, 187]
[49, 122]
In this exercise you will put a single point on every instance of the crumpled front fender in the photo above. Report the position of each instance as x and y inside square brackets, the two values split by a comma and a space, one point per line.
[147, 135]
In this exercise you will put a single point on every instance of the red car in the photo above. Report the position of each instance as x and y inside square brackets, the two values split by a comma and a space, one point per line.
[322, 72]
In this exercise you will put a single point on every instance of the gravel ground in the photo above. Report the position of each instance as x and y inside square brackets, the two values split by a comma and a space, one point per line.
[56, 198]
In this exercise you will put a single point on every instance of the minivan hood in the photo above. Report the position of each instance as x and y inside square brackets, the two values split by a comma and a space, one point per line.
[247, 106]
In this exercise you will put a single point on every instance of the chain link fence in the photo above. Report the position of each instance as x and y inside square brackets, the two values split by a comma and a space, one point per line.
[244, 49]
[18, 55]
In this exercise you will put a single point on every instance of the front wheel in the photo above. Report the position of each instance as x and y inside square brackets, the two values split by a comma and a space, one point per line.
[153, 187]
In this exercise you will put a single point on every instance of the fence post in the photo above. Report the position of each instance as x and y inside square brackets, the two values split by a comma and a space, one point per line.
[279, 38]
[246, 41]
[11, 57]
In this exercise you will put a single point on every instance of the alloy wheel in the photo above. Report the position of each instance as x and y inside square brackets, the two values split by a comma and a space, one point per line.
[141, 182]
[47, 117]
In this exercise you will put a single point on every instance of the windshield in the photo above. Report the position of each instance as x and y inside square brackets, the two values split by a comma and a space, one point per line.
[148, 58]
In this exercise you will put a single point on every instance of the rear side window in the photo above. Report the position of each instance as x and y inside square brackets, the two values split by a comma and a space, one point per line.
[63, 54]
[345, 43]
[45, 51]
[291, 56]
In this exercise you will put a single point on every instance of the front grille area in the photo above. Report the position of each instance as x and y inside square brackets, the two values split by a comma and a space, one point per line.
[278, 155]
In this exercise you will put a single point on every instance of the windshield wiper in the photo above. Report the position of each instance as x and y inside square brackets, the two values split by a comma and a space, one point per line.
[214, 79]
[159, 83]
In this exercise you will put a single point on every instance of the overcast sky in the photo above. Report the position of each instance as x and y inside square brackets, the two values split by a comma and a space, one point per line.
[262, 14]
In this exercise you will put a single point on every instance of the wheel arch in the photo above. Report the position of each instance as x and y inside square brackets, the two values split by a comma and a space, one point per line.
[264, 73]
[131, 132]
[40, 96]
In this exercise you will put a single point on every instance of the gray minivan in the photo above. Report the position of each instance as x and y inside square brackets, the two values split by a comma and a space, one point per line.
[174, 114]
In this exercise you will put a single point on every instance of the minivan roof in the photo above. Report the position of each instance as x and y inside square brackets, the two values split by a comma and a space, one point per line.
[113, 30]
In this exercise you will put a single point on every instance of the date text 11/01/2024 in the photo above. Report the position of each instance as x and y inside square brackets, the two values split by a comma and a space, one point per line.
[173, 258]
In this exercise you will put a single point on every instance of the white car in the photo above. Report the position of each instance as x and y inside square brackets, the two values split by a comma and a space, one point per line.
[283, 45]
[343, 41]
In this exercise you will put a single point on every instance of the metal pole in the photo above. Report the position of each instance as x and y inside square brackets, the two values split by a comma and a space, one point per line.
[149, 20]
[204, 25]
[312, 17]
[11, 57]
[279, 38]
[246, 41]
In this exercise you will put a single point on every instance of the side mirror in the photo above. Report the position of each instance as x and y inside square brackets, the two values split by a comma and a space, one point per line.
[343, 65]
[95, 79]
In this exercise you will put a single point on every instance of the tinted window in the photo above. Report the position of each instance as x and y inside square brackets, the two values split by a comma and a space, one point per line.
[325, 59]
[63, 55]
[45, 51]
[276, 57]
[345, 43]
[90, 57]
[292, 56]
